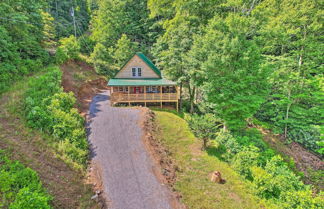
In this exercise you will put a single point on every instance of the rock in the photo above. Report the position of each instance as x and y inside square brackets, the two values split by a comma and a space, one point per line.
[95, 197]
[217, 177]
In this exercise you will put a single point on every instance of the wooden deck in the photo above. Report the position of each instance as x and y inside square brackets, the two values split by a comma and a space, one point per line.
[117, 97]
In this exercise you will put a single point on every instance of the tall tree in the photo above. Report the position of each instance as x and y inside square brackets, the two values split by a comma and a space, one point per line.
[235, 79]
[290, 33]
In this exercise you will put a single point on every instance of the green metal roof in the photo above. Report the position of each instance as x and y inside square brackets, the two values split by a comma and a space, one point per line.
[140, 82]
[149, 63]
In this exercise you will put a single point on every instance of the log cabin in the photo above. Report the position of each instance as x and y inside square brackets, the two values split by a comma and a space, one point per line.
[139, 81]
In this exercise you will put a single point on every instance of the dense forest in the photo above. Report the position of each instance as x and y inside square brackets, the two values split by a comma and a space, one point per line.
[239, 60]
[239, 64]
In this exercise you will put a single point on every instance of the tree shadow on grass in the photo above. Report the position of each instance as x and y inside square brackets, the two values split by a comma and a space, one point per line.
[217, 151]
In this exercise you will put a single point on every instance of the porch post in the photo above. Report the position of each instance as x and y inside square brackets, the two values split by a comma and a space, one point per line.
[161, 96]
[128, 96]
[145, 95]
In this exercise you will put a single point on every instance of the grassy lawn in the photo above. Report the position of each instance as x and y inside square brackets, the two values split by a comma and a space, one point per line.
[195, 166]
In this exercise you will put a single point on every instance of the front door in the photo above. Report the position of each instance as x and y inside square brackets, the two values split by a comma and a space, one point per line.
[137, 90]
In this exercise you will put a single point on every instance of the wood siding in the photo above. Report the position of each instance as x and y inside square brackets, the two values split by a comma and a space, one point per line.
[126, 71]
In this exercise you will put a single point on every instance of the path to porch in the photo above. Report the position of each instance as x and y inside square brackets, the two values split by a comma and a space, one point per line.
[116, 142]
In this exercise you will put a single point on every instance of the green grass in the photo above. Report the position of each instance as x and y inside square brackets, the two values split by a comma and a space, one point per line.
[195, 166]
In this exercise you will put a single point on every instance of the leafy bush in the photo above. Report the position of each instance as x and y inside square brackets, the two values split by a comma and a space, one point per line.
[275, 178]
[253, 136]
[229, 143]
[49, 109]
[244, 160]
[20, 187]
[269, 174]
[60, 56]
[86, 44]
[69, 49]
[102, 60]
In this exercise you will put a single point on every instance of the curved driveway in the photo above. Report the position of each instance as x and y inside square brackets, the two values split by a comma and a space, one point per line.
[116, 140]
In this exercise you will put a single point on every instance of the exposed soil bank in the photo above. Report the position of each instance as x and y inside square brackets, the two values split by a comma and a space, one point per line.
[166, 168]
[82, 80]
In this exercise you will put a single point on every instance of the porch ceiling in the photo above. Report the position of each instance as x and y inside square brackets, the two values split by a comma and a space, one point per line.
[141, 82]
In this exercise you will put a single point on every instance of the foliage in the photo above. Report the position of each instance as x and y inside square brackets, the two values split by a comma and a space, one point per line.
[232, 56]
[228, 143]
[69, 48]
[269, 174]
[114, 18]
[86, 44]
[290, 40]
[244, 160]
[49, 109]
[204, 127]
[20, 187]
[119, 30]
[49, 30]
[102, 60]
[21, 32]
[125, 49]
[61, 12]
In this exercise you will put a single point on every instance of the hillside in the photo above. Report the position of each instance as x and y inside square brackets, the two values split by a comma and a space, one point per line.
[35, 150]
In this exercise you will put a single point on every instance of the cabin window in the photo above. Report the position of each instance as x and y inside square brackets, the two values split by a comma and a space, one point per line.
[134, 72]
[121, 89]
[137, 72]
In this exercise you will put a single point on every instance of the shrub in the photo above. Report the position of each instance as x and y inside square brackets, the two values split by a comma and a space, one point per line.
[308, 137]
[204, 127]
[244, 160]
[229, 143]
[301, 199]
[30, 200]
[69, 48]
[86, 44]
[20, 187]
[275, 179]
[60, 56]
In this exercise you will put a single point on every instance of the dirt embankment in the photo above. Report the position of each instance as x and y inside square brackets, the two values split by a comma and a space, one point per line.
[305, 160]
[82, 80]
[160, 155]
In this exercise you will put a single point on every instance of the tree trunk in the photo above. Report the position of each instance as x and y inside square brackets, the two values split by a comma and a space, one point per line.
[205, 140]
[192, 98]
[287, 113]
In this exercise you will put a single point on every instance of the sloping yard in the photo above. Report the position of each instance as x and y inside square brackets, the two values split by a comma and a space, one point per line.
[194, 167]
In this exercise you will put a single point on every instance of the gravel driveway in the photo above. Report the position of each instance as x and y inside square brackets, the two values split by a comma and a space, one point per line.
[116, 140]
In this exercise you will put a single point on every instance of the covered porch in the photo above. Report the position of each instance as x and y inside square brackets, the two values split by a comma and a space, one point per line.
[144, 92]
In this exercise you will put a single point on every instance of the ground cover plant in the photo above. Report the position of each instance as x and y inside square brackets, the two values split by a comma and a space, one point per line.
[20, 187]
[49, 109]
